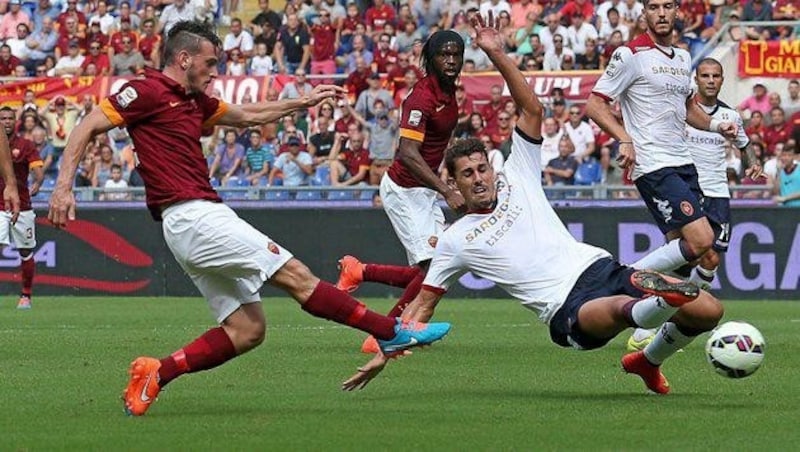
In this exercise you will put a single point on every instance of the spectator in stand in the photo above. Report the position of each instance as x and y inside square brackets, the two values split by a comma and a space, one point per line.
[501, 132]
[410, 80]
[359, 50]
[553, 27]
[69, 65]
[125, 12]
[523, 34]
[476, 55]
[227, 159]
[397, 74]
[324, 109]
[365, 104]
[102, 66]
[238, 38]
[629, 12]
[72, 12]
[129, 61]
[456, 7]
[551, 137]
[150, 44]
[522, 11]
[348, 27]
[791, 102]
[579, 32]
[495, 6]
[757, 10]
[351, 165]
[641, 28]
[338, 12]
[294, 166]
[580, 134]
[409, 33]
[475, 128]
[756, 124]
[346, 120]
[173, 13]
[67, 33]
[560, 171]
[614, 24]
[559, 111]
[261, 64]
[321, 143]
[490, 110]
[265, 16]
[465, 110]
[293, 48]
[324, 41]
[573, 8]
[431, 14]
[590, 58]
[205, 10]
[258, 158]
[779, 130]
[102, 17]
[13, 18]
[236, 65]
[18, 45]
[298, 87]
[615, 40]
[554, 58]
[103, 164]
[377, 15]
[45, 150]
[384, 58]
[759, 101]
[787, 184]
[7, 61]
[41, 43]
[116, 186]
[115, 41]
[383, 139]
[44, 9]
[26, 125]
[94, 34]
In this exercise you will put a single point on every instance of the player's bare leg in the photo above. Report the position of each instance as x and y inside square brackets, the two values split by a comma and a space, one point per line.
[694, 241]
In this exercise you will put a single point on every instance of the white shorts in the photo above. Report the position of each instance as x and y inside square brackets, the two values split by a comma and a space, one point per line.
[21, 234]
[417, 219]
[227, 259]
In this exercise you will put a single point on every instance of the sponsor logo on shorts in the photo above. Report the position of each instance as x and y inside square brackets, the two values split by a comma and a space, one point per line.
[433, 240]
[664, 209]
[414, 117]
[687, 208]
[273, 248]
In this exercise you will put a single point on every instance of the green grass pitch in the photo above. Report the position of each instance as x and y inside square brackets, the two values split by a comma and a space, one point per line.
[495, 383]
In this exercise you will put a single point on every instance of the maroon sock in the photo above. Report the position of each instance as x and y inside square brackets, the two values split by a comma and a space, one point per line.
[330, 303]
[393, 275]
[412, 289]
[28, 269]
[210, 350]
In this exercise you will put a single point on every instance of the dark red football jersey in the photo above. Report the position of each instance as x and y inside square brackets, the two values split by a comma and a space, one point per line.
[429, 116]
[165, 124]
[24, 157]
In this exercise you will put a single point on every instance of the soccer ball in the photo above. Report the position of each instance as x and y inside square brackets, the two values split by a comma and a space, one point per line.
[735, 349]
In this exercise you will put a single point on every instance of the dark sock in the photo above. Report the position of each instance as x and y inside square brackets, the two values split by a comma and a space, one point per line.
[412, 289]
[210, 350]
[330, 303]
[28, 269]
[392, 275]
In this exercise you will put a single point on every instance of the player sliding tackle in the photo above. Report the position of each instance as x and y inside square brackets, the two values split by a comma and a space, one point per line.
[583, 295]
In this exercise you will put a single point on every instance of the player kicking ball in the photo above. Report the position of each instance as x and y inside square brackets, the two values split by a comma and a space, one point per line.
[512, 236]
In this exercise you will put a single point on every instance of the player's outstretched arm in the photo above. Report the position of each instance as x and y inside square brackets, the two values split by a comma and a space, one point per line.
[249, 115]
[62, 201]
[699, 119]
[491, 41]
[10, 193]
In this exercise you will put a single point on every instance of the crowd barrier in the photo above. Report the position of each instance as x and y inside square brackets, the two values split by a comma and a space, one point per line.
[121, 251]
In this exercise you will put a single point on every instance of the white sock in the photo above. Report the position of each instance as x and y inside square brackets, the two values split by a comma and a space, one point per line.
[667, 341]
[665, 258]
[651, 312]
[640, 334]
[703, 277]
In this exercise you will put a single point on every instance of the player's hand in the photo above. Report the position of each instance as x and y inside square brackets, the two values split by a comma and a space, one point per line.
[627, 154]
[11, 201]
[487, 32]
[370, 370]
[755, 171]
[455, 200]
[62, 207]
[322, 92]
[728, 130]
[34, 190]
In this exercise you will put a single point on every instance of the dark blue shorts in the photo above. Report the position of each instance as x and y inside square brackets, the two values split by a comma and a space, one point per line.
[604, 278]
[672, 195]
[718, 211]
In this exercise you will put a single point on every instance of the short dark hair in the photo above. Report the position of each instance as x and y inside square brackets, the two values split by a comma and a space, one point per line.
[710, 61]
[188, 35]
[462, 148]
[7, 108]
[116, 166]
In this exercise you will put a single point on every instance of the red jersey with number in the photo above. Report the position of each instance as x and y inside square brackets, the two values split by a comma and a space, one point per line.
[428, 115]
[165, 124]
[24, 158]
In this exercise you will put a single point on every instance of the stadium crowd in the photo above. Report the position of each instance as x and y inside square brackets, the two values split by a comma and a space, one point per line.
[374, 48]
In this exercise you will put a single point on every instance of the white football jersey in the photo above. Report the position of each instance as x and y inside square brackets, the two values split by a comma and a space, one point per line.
[708, 150]
[520, 244]
[652, 84]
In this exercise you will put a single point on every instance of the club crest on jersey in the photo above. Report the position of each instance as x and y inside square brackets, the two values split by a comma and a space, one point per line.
[127, 96]
[414, 117]
[433, 240]
[15, 153]
[687, 208]
[273, 248]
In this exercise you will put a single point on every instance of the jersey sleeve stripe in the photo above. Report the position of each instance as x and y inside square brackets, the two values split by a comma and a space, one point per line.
[436, 290]
[412, 135]
[35, 164]
[527, 137]
[111, 113]
[603, 96]
[222, 108]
